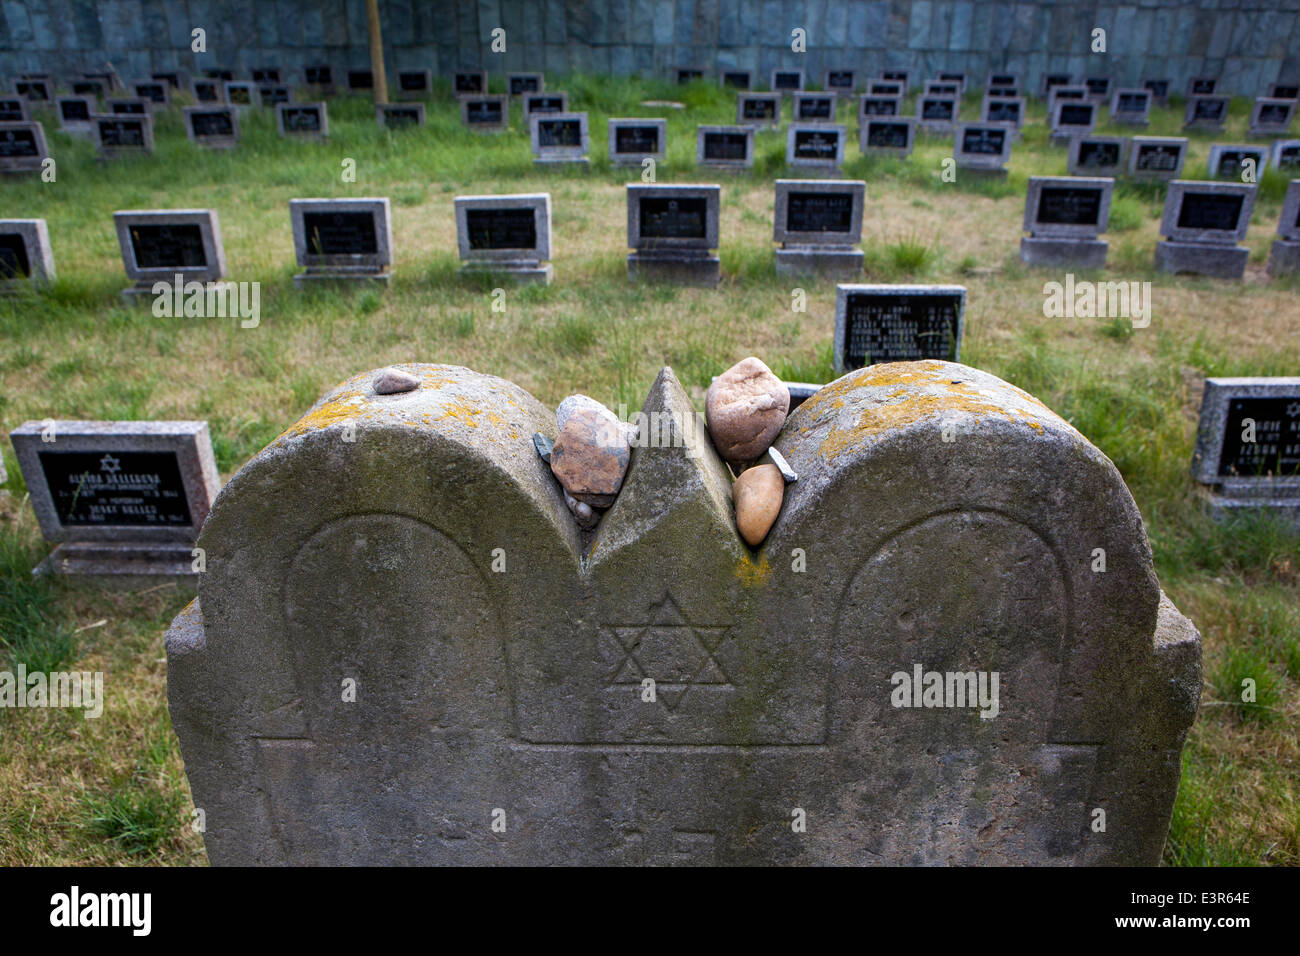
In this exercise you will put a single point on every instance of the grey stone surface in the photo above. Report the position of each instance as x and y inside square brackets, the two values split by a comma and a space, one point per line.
[771, 117]
[815, 146]
[1181, 199]
[520, 691]
[1284, 257]
[1097, 155]
[1237, 472]
[1067, 207]
[540, 126]
[317, 264]
[1215, 260]
[1288, 224]
[1069, 253]
[826, 222]
[399, 116]
[1271, 116]
[74, 113]
[971, 140]
[34, 235]
[640, 131]
[123, 501]
[928, 110]
[504, 249]
[122, 135]
[199, 128]
[295, 120]
[1156, 157]
[1206, 112]
[486, 113]
[707, 135]
[158, 244]
[1130, 106]
[1225, 160]
[22, 147]
[887, 135]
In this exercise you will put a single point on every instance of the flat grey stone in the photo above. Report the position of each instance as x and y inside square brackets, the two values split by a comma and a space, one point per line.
[1079, 253]
[1218, 261]
[833, 263]
[1284, 257]
[680, 269]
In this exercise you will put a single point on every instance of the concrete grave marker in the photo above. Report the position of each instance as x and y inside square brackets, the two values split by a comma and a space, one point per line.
[1059, 94]
[1051, 81]
[359, 80]
[875, 324]
[122, 135]
[520, 84]
[88, 86]
[1131, 107]
[813, 107]
[25, 255]
[1284, 257]
[320, 76]
[871, 105]
[176, 79]
[162, 244]
[689, 75]
[413, 84]
[559, 137]
[1098, 88]
[737, 79]
[214, 127]
[487, 114]
[1072, 118]
[1202, 223]
[1063, 216]
[22, 148]
[898, 76]
[508, 235]
[515, 697]
[672, 230]
[1271, 117]
[1231, 161]
[267, 75]
[1001, 79]
[1010, 110]
[552, 102]
[34, 91]
[240, 94]
[74, 114]
[1159, 90]
[269, 97]
[123, 501]
[941, 88]
[397, 116]
[887, 136]
[14, 110]
[208, 92]
[787, 81]
[758, 109]
[936, 114]
[887, 88]
[818, 223]
[1202, 86]
[953, 77]
[1283, 91]
[725, 147]
[1156, 157]
[1285, 155]
[1097, 156]
[1247, 453]
[983, 148]
[816, 146]
[225, 76]
[303, 120]
[467, 83]
[1206, 112]
[840, 81]
[632, 141]
[342, 239]
[156, 95]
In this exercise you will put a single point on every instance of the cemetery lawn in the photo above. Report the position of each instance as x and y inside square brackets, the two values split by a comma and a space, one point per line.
[113, 791]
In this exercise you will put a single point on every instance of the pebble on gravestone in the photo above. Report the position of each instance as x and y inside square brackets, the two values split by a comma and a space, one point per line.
[875, 324]
[672, 230]
[1271, 117]
[25, 254]
[549, 102]
[1284, 257]
[413, 84]
[983, 148]
[633, 141]
[123, 501]
[818, 223]
[1131, 107]
[745, 408]
[303, 120]
[213, 127]
[872, 105]
[1097, 156]
[505, 235]
[725, 147]
[521, 84]
[787, 81]
[74, 114]
[1206, 112]
[22, 148]
[816, 147]
[164, 244]
[887, 136]
[1063, 216]
[1248, 446]
[433, 561]
[342, 240]
[591, 455]
[559, 138]
[398, 116]
[1234, 161]
[1202, 224]
[737, 79]
[487, 114]
[122, 135]
[759, 109]
[936, 114]
[1156, 157]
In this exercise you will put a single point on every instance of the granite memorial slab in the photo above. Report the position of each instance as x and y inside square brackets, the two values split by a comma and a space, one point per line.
[360, 80]
[74, 113]
[414, 84]
[936, 115]
[157, 95]
[213, 127]
[225, 76]
[689, 74]
[1206, 112]
[90, 87]
[1156, 157]
[129, 107]
[521, 84]
[1064, 216]
[983, 148]
[269, 97]
[320, 77]
[1072, 118]
[759, 109]
[871, 105]
[267, 75]
[1229, 161]
[818, 223]
[1283, 91]
[342, 240]
[1051, 81]
[1284, 256]
[1009, 110]
[559, 137]
[954, 77]
[122, 135]
[633, 141]
[1285, 156]
[1001, 79]
[875, 324]
[787, 81]
[1098, 88]
[1271, 117]
[737, 79]
[164, 244]
[398, 116]
[1159, 89]
[470, 83]
[813, 107]
[506, 235]
[840, 81]
[14, 110]
[241, 94]
[1203, 223]
[887, 136]
[939, 88]
[303, 120]
[672, 230]
[485, 114]
[552, 102]
[1202, 86]
[26, 258]
[816, 146]
[208, 92]
[887, 88]
[34, 91]
[725, 147]
[898, 76]
[23, 149]
[1074, 94]
[1097, 156]
[1131, 107]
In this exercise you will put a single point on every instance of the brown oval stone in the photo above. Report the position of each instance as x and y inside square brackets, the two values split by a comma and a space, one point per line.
[591, 456]
[745, 408]
[758, 494]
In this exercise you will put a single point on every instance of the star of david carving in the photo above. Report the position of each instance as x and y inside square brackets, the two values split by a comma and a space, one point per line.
[677, 655]
[110, 464]
[1293, 409]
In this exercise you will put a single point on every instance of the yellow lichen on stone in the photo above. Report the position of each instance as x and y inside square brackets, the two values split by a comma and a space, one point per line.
[753, 573]
[347, 406]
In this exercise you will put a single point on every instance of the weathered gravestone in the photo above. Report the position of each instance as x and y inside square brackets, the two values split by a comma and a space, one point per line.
[25, 254]
[303, 120]
[787, 81]
[1271, 117]
[725, 147]
[1284, 257]
[207, 91]
[22, 148]
[499, 664]
[813, 107]
[737, 79]
[270, 97]
[1097, 156]
[1286, 155]
[359, 80]
[1202, 223]
[398, 116]
[321, 77]
[1131, 107]
[88, 86]
[122, 135]
[983, 148]
[552, 102]
[1202, 86]
[1063, 216]
[225, 76]
[266, 75]
[840, 81]
[342, 239]
[936, 114]
[1001, 80]
[876, 324]
[470, 83]
[1231, 161]
[1053, 81]
[169, 245]
[633, 141]
[898, 76]
[485, 114]
[1283, 91]
[560, 138]
[818, 222]
[1156, 157]
[958, 78]
[413, 84]
[887, 136]
[128, 107]
[241, 94]
[216, 127]
[887, 88]
[1004, 109]
[1072, 118]
[1206, 112]
[758, 109]
[672, 230]
[1061, 94]
[156, 95]
[74, 114]
[939, 88]
[508, 235]
[1159, 90]
[123, 501]
[34, 90]
[521, 84]
[1098, 88]
[815, 146]
[872, 105]
[13, 110]
[1248, 446]
[176, 79]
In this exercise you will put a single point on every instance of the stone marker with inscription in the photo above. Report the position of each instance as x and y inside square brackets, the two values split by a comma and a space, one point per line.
[469, 83]
[672, 230]
[123, 501]
[359, 80]
[1285, 156]
[936, 114]
[1052, 81]
[303, 120]
[34, 90]
[1098, 88]
[1232, 161]
[208, 92]
[1202, 223]
[737, 79]
[1097, 156]
[413, 84]
[840, 81]
[818, 223]
[725, 147]
[320, 77]
[1284, 257]
[559, 138]
[815, 146]
[129, 107]
[1271, 117]
[360, 546]
[553, 101]
[1159, 91]
[1059, 94]
[1202, 86]
[1063, 216]
[897, 323]
[506, 235]
[74, 114]
[758, 109]
[121, 135]
[633, 141]
[397, 116]
[1000, 109]
[25, 255]
[787, 81]
[983, 148]
[485, 114]
[241, 94]
[22, 148]
[215, 127]
[1206, 112]
[887, 136]
[521, 84]
[1283, 91]
[162, 244]
[342, 239]
[1000, 80]
[813, 107]
[1072, 118]
[1248, 446]
[1156, 157]
[14, 110]
[1131, 107]
[157, 95]
[871, 105]
[890, 88]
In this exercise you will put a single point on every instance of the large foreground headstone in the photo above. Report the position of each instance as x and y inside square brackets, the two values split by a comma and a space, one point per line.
[414, 656]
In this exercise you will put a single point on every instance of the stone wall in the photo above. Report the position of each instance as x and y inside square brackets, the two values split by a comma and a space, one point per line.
[1250, 43]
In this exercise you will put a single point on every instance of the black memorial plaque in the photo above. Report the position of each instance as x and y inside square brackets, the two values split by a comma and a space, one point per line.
[1056, 79]
[319, 75]
[665, 218]
[1069, 206]
[1275, 452]
[413, 81]
[129, 108]
[214, 123]
[361, 80]
[178, 246]
[1076, 114]
[982, 141]
[519, 85]
[840, 79]
[888, 135]
[883, 106]
[560, 134]
[1203, 87]
[154, 92]
[241, 96]
[14, 263]
[689, 76]
[225, 76]
[545, 103]
[33, 90]
[1158, 88]
[266, 74]
[273, 95]
[726, 146]
[171, 79]
[75, 111]
[116, 488]
[899, 75]
[122, 132]
[759, 110]
[1230, 161]
[1288, 156]
[894, 327]
[1274, 113]
[814, 144]
[815, 108]
[1209, 211]
[207, 91]
[88, 88]
[483, 112]
[501, 228]
[340, 233]
[943, 89]
[1095, 155]
[396, 117]
[1157, 158]
[1001, 79]
[886, 89]
[302, 119]
[15, 143]
[737, 80]
[1130, 103]
[1208, 110]
[1097, 86]
[1007, 111]
[953, 77]
[1071, 94]
[636, 139]
[936, 109]
[1286, 92]
[819, 212]
[785, 81]
[11, 111]
[468, 83]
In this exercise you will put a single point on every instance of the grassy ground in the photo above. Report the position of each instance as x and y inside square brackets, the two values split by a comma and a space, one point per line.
[113, 790]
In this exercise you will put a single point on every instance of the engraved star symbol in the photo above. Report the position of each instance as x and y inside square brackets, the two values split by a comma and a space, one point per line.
[676, 654]
[1293, 409]
[110, 464]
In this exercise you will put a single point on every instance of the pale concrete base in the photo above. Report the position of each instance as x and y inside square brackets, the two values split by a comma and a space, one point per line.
[1284, 258]
[1202, 258]
[521, 272]
[839, 262]
[678, 270]
[569, 161]
[124, 566]
[142, 292]
[1222, 508]
[1078, 253]
[311, 277]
